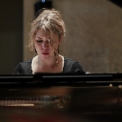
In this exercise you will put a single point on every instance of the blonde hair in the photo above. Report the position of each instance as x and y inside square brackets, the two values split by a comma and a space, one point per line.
[51, 22]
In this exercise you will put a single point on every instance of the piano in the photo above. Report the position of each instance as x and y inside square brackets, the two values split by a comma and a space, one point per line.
[56, 97]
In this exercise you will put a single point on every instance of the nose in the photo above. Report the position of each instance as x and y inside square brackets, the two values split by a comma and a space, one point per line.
[45, 45]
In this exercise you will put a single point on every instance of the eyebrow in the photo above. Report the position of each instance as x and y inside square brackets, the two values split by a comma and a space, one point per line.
[39, 37]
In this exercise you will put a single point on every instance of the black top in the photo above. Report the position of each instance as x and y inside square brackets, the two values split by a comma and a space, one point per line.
[70, 66]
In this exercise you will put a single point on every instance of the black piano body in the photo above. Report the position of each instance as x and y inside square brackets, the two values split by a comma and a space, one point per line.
[61, 97]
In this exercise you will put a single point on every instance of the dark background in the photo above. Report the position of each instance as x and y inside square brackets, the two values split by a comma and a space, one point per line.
[11, 50]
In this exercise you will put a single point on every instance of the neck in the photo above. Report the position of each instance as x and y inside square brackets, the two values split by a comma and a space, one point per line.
[39, 65]
[48, 63]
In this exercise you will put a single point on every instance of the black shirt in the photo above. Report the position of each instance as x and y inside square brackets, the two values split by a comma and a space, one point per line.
[70, 66]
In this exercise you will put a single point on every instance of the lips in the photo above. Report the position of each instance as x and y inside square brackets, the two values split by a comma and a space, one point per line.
[45, 53]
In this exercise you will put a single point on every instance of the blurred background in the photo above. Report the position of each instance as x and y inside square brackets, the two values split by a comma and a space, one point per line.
[94, 32]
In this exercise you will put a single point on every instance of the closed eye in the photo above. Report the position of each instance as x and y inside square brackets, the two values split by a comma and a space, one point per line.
[39, 41]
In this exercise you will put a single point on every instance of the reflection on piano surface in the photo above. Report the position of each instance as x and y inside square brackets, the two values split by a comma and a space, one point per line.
[61, 97]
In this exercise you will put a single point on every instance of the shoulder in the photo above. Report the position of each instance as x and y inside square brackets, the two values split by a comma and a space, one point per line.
[71, 65]
[70, 62]
[26, 63]
[23, 67]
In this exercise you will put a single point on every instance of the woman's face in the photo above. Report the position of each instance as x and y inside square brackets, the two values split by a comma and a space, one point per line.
[43, 46]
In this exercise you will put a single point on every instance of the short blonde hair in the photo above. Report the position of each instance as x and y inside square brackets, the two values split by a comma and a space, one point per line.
[50, 21]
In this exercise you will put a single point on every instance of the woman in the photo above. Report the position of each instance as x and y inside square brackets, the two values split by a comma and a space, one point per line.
[46, 34]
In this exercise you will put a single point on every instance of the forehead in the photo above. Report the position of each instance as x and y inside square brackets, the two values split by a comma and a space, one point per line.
[41, 34]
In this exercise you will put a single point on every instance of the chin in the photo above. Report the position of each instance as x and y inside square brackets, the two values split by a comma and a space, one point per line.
[45, 56]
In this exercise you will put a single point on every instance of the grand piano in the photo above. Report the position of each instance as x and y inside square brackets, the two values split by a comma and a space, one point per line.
[56, 97]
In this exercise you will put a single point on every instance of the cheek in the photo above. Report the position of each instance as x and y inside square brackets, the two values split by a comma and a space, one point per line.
[55, 46]
[51, 49]
[37, 47]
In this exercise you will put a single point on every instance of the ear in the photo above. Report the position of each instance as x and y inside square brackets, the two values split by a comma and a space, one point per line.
[60, 40]
[34, 48]
[35, 51]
